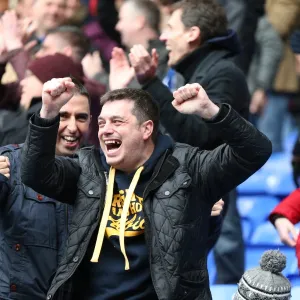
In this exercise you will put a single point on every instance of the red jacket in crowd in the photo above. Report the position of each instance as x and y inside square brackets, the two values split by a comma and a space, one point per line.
[290, 209]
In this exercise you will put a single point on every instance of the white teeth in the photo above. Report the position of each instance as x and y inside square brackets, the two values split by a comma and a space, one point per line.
[70, 138]
[112, 142]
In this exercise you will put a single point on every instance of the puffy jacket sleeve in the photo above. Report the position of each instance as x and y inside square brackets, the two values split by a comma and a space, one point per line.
[289, 208]
[245, 150]
[55, 177]
[223, 85]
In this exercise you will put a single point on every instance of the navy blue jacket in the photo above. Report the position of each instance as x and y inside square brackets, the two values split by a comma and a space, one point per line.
[33, 229]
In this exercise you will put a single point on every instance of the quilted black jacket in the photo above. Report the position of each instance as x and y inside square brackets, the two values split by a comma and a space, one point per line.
[186, 182]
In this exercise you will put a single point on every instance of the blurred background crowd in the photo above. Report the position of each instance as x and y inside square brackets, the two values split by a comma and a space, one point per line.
[44, 39]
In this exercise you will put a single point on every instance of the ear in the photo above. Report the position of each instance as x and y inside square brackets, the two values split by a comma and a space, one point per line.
[140, 22]
[68, 51]
[147, 128]
[194, 34]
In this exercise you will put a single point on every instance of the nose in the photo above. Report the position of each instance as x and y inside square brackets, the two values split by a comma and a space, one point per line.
[117, 27]
[54, 9]
[72, 125]
[107, 129]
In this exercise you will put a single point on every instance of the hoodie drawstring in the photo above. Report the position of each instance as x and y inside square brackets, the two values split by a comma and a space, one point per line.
[123, 219]
[129, 196]
[106, 211]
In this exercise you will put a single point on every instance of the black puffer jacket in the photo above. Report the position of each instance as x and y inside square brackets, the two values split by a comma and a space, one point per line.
[211, 66]
[185, 184]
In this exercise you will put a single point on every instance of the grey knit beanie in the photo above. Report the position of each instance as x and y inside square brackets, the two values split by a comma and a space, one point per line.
[265, 282]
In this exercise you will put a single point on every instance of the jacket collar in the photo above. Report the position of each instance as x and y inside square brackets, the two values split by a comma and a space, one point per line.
[188, 65]
[165, 167]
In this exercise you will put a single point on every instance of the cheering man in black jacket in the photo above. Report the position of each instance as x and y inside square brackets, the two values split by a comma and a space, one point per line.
[202, 50]
[142, 203]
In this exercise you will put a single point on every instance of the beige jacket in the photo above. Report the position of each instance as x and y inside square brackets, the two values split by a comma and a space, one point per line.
[284, 15]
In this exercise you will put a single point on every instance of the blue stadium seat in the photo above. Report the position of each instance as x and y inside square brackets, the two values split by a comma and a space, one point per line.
[223, 291]
[289, 142]
[261, 183]
[247, 230]
[294, 270]
[255, 184]
[266, 234]
[295, 293]
[211, 267]
[278, 161]
[294, 280]
[256, 209]
[254, 253]
[280, 183]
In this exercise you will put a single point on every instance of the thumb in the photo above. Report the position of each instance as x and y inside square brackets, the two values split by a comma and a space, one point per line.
[154, 57]
[196, 86]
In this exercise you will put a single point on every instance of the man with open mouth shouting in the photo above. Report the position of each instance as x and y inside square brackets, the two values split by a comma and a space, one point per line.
[142, 203]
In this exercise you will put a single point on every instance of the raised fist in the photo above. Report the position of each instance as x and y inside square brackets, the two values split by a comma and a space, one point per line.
[56, 93]
[192, 99]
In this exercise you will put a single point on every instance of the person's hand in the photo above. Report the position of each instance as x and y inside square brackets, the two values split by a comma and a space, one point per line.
[56, 93]
[121, 73]
[217, 208]
[192, 99]
[4, 166]
[144, 64]
[11, 31]
[92, 64]
[3, 52]
[28, 27]
[287, 231]
[258, 101]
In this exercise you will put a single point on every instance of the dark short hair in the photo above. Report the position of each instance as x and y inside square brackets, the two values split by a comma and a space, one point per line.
[81, 89]
[145, 108]
[75, 37]
[151, 12]
[167, 2]
[208, 15]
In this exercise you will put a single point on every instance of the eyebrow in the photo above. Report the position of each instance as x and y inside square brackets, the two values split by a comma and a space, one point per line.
[85, 115]
[112, 117]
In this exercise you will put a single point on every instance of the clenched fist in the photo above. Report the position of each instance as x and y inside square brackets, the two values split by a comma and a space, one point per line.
[56, 93]
[192, 99]
[4, 166]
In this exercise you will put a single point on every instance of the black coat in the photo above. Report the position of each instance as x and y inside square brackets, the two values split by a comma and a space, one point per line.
[185, 184]
[211, 66]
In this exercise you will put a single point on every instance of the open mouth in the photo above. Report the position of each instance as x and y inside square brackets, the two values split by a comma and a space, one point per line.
[71, 140]
[112, 145]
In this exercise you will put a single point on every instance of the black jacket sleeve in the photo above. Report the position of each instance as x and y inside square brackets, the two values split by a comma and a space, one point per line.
[55, 177]
[245, 150]
[223, 85]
